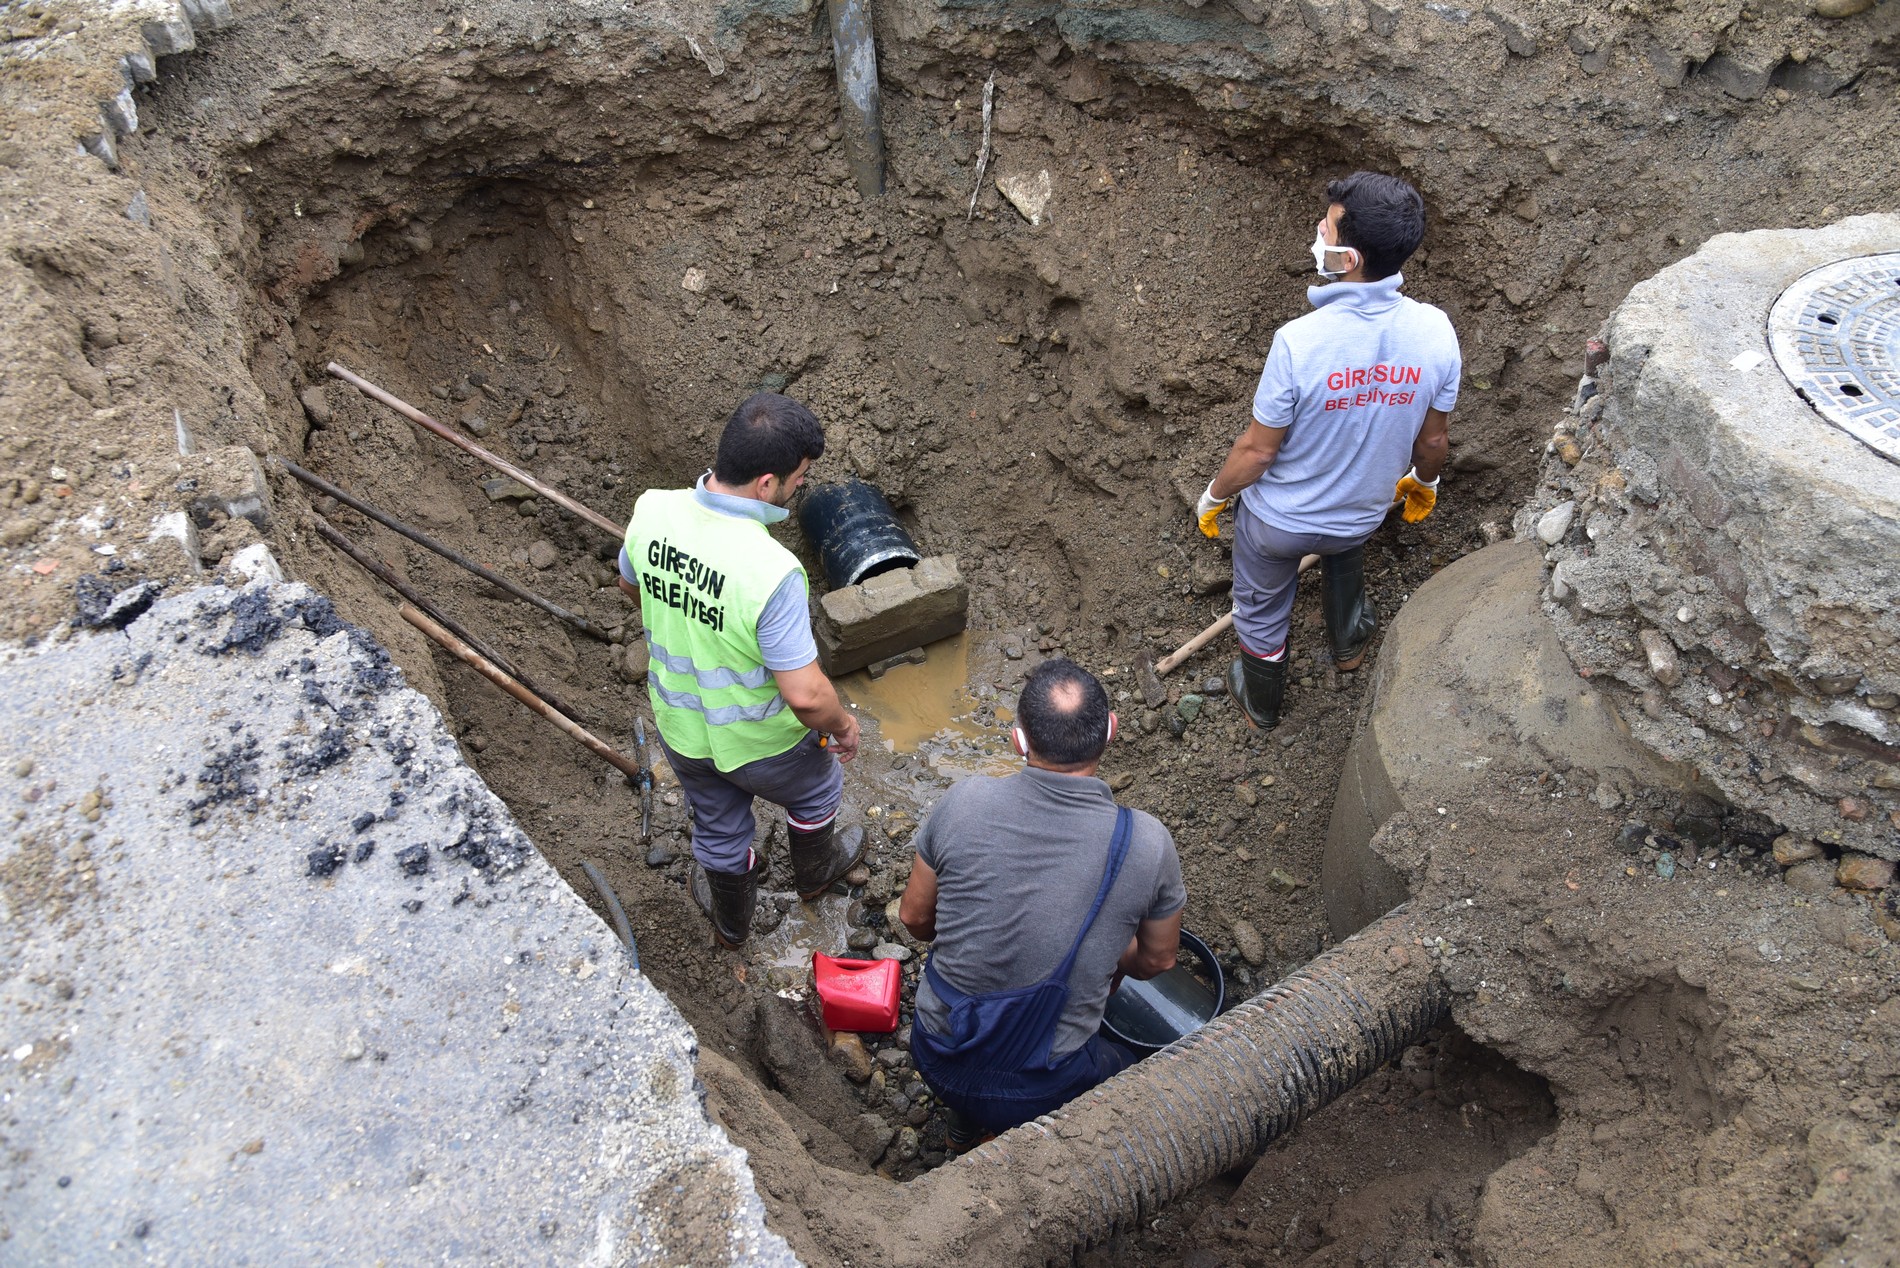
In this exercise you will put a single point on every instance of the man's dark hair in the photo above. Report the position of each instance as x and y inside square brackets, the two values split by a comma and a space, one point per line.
[1384, 220]
[768, 434]
[1074, 735]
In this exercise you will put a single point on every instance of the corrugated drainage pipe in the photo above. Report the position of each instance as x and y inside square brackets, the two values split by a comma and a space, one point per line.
[1113, 1158]
[862, 108]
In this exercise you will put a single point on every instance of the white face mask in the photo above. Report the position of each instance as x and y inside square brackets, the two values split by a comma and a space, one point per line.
[1321, 250]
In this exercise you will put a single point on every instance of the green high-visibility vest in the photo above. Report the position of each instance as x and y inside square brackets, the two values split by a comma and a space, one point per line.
[704, 578]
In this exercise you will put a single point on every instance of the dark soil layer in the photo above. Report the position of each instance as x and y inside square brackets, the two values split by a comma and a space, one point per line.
[576, 243]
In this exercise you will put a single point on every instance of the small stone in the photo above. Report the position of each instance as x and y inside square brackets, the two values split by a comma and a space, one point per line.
[315, 407]
[1154, 693]
[1012, 651]
[1283, 882]
[850, 1055]
[890, 951]
[1119, 781]
[918, 1116]
[632, 663]
[1664, 667]
[1814, 877]
[1247, 795]
[1177, 725]
[862, 939]
[1189, 707]
[1791, 849]
[1632, 837]
[1555, 522]
[1883, 700]
[1213, 687]
[1248, 942]
[1862, 871]
[504, 489]
[694, 280]
[1666, 865]
[660, 855]
[541, 553]
[478, 743]
[858, 877]
[1841, 8]
[909, 1144]
[18, 532]
[892, 1058]
[1149, 721]
[23, 768]
[414, 860]
[354, 1048]
[1568, 450]
[1852, 809]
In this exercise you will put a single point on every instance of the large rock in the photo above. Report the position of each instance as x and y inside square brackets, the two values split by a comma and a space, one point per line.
[284, 983]
[1469, 683]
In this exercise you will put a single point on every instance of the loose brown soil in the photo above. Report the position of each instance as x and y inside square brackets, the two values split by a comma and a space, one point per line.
[566, 235]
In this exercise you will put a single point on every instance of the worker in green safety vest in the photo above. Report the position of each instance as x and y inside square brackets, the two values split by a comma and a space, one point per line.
[742, 707]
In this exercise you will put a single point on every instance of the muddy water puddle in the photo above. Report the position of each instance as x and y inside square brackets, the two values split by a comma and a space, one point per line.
[928, 711]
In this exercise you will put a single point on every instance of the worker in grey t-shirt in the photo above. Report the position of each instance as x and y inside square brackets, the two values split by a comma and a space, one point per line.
[1352, 393]
[1006, 872]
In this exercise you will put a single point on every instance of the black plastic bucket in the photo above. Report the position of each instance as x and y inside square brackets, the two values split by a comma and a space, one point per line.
[1148, 1016]
[856, 532]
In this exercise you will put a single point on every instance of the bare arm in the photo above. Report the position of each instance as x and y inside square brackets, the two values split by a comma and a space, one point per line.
[1253, 452]
[1433, 443]
[918, 907]
[1153, 948]
[812, 697]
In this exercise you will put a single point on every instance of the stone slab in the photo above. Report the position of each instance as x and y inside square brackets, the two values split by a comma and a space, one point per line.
[282, 982]
[891, 613]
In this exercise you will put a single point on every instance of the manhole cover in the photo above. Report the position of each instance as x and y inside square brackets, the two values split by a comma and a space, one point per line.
[1836, 335]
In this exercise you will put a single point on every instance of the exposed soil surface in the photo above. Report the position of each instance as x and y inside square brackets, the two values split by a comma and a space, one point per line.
[582, 238]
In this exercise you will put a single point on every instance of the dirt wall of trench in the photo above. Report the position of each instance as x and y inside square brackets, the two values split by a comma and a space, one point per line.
[593, 231]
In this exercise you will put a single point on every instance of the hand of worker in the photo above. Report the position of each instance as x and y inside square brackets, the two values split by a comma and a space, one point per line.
[1418, 496]
[1208, 508]
[844, 741]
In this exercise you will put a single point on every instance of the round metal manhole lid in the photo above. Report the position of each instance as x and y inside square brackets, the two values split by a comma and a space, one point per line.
[1836, 334]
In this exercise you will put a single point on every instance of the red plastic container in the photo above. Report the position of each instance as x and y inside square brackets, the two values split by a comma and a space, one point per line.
[858, 994]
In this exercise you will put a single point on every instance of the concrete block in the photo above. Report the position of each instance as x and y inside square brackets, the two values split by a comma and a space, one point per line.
[890, 613]
[263, 786]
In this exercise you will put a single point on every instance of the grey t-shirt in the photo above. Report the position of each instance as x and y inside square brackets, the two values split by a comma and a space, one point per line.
[1018, 860]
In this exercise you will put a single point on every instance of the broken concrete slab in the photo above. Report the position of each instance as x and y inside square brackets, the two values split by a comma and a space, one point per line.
[890, 613]
[283, 981]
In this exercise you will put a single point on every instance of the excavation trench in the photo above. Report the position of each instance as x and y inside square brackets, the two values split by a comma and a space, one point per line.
[586, 271]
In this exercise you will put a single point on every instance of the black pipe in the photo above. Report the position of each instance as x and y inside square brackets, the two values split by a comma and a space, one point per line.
[861, 113]
[856, 532]
[422, 539]
[612, 900]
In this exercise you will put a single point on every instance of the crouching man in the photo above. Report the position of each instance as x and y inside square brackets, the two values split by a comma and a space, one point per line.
[1040, 893]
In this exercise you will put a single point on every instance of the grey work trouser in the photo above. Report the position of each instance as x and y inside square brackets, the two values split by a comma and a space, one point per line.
[806, 779]
[1266, 571]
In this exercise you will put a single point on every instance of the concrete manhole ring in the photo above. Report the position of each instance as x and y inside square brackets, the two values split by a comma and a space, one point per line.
[1836, 334]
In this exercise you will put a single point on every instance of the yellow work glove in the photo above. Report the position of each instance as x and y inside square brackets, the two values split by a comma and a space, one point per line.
[1207, 509]
[1418, 496]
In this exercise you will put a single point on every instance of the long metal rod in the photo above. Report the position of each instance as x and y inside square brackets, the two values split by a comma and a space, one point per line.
[420, 538]
[487, 669]
[383, 573]
[494, 460]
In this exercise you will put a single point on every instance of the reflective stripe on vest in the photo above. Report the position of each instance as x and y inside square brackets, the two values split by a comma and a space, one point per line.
[704, 577]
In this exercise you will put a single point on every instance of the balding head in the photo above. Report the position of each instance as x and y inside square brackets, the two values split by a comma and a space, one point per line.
[1064, 712]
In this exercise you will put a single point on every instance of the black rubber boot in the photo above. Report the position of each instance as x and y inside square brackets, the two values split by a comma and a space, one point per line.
[729, 898]
[1350, 620]
[820, 858]
[1260, 686]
